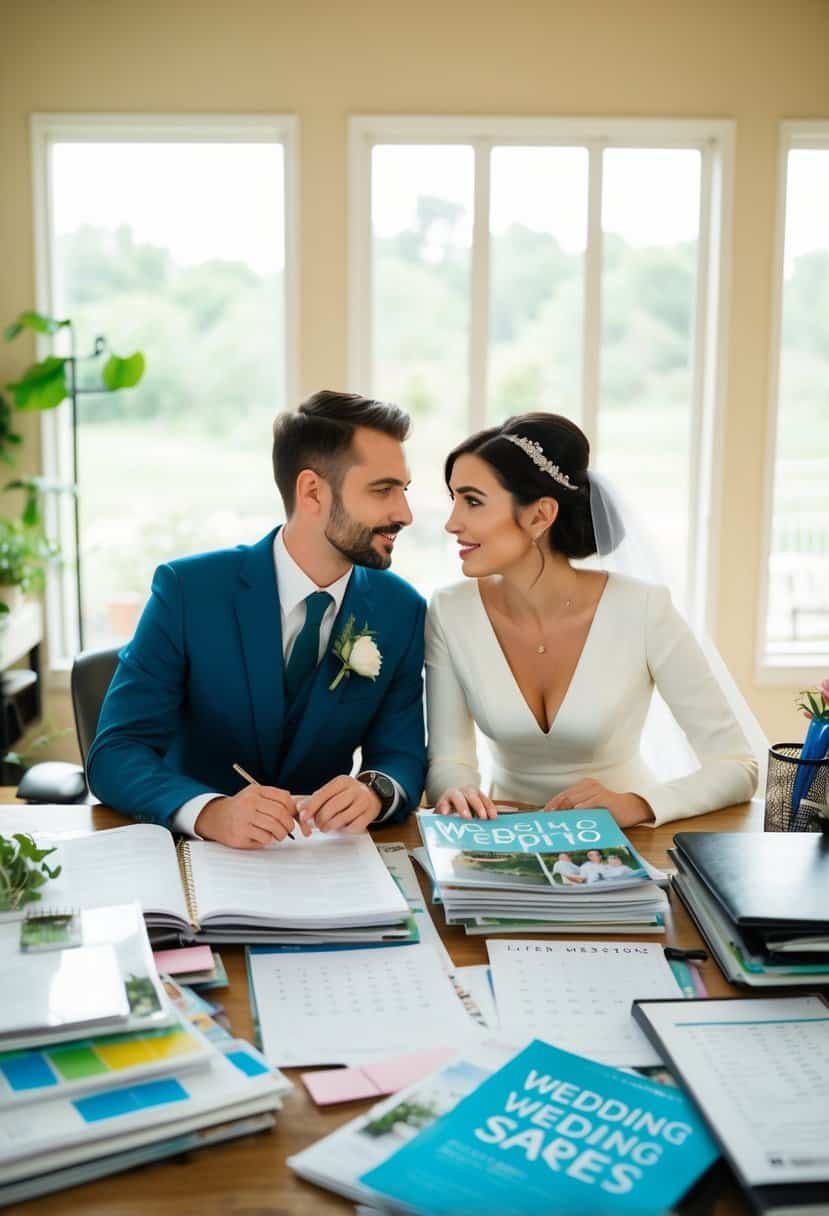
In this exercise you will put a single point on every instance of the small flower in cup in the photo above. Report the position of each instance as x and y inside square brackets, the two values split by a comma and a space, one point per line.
[814, 702]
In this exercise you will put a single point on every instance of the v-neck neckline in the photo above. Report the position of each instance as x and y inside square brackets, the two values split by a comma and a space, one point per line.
[511, 675]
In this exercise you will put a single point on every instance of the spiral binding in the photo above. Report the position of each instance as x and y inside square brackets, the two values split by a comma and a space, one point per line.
[185, 867]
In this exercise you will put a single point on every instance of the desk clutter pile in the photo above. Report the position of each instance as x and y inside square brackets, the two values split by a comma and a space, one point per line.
[594, 1073]
[104, 1063]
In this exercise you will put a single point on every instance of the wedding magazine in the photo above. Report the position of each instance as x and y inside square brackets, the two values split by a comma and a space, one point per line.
[570, 852]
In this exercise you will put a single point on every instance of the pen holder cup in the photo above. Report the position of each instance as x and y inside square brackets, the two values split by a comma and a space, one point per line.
[791, 778]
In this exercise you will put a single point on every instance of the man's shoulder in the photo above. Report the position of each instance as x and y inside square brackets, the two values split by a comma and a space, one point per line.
[219, 563]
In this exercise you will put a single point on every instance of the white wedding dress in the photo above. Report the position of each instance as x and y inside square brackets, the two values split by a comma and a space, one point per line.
[637, 642]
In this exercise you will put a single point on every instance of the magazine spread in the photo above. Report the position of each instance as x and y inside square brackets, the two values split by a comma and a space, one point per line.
[569, 852]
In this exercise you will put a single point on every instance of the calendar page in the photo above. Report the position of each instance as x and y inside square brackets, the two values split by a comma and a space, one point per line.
[759, 1071]
[578, 995]
[347, 1006]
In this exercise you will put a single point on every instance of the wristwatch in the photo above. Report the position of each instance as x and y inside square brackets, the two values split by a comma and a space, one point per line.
[382, 785]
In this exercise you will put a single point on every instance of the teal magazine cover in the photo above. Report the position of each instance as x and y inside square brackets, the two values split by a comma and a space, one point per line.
[552, 1132]
[568, 851]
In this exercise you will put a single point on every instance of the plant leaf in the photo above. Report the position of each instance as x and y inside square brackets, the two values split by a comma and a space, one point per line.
[42, 387]
[37, 321]
[123, 373]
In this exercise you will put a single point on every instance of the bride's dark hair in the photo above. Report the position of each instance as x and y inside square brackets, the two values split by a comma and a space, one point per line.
[562, 443]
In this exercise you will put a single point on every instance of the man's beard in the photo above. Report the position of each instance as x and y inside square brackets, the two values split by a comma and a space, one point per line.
[353, 539]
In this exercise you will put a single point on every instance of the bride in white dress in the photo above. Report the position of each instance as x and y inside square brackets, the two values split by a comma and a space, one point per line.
[557, 665]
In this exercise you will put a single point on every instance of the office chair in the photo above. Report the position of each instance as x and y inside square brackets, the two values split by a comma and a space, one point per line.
[56, 781]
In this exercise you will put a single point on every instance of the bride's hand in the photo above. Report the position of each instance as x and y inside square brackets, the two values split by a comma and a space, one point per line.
[626, 809]
[467, 802]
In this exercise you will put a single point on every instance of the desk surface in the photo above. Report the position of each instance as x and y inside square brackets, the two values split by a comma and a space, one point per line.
[249, 1176]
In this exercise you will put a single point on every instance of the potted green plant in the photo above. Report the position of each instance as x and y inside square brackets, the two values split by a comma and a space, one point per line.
[24, 552]
[24, 546]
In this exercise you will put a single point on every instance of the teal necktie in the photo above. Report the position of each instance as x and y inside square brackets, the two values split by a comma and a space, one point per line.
[306, 649]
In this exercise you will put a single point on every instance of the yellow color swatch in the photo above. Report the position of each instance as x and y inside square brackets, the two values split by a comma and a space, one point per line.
[124, 1053]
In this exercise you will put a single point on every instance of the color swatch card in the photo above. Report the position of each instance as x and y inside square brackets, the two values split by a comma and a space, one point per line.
[40, 1073]
[347, 1006]
[235, 1082]
[578, 995]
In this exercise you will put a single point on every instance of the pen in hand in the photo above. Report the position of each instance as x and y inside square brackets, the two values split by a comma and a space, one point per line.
[237, 768]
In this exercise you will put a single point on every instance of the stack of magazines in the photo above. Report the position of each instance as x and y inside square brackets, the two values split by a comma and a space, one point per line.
[761, 901]
[559, 871]
[88, 1090]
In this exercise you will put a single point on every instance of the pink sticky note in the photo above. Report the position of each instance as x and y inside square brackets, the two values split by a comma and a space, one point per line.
[400, 1071]
[329, 1085]
[373, 1080]
[188, 958]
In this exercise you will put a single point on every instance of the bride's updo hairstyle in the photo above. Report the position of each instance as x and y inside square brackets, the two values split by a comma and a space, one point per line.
[540, 456]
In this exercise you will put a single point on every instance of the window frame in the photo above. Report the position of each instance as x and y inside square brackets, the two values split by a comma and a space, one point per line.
[715, 140]
[46, 130]
[812, 133]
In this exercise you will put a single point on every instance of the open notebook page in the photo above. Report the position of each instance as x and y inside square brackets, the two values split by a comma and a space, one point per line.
[116, 866]
[323, 879]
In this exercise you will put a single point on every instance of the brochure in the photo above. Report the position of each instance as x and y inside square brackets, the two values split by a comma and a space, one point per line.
[551, 1131]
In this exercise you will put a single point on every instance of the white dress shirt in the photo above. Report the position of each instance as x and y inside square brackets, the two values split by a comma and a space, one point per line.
[637, 642]
[294, 587]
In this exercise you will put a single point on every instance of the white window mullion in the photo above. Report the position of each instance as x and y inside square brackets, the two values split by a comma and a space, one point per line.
[361, 295]
[479, 279]
[592, 300]
[701, 420]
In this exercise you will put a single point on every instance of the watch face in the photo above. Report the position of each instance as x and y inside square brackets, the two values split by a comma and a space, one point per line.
[383, 786]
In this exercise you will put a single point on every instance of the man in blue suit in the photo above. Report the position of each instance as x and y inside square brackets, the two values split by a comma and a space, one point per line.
[244, 656]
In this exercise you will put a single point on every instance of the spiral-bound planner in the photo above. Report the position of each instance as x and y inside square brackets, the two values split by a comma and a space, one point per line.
[325, 887]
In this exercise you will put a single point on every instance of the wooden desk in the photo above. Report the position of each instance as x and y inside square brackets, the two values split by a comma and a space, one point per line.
[249, 1177]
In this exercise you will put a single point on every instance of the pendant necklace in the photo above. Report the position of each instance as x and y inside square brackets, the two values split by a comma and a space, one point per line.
[541, 648]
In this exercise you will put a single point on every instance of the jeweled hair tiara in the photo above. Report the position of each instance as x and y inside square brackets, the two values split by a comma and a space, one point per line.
[536, 454]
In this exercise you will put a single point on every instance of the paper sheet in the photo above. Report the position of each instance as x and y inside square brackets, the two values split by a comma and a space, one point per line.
[397, 859]
[350, 1006]
[578, 995]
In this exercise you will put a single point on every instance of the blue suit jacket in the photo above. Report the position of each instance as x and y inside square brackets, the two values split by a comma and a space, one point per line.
[200, 687]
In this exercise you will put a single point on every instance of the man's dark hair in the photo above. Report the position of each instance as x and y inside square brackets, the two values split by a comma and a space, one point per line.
[319, 435]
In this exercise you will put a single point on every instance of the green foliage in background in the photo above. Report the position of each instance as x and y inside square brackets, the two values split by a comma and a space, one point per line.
[24, 546]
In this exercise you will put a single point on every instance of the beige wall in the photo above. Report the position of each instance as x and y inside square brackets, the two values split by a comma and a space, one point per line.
[754, 61]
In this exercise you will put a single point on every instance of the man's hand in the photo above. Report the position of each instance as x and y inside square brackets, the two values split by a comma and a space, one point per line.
[466, 801]
[341, 805]
[626, 809]
[250, 819]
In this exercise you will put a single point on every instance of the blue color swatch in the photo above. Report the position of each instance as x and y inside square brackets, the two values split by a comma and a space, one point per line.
[116, 1102]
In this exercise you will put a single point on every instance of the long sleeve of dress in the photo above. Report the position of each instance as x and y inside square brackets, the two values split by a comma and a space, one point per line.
[453, 756]
[727, 770]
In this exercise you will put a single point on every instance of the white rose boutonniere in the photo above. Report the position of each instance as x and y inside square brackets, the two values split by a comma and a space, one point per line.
[357, 652]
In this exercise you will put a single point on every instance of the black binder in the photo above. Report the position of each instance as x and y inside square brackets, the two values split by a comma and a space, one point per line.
[785, 1199]
[764, 880]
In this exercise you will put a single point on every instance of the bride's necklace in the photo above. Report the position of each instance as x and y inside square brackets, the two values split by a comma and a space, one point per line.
[541, 648]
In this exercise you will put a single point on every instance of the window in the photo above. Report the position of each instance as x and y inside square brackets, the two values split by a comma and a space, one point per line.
[169, 236]
[508, 265]
[795, 624]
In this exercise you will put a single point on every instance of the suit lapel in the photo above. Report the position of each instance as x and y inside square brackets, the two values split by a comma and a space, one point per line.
[256, 602]
[321, 705]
